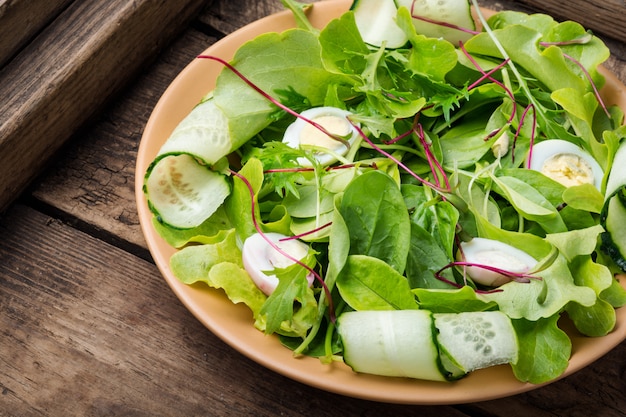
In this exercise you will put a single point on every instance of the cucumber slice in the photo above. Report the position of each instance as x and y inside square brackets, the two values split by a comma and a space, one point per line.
[453, 12]
[475, 340]
[397, 343]
[613, 214]
[180, 187]
[613, 218]
[376, 21]
[183, 193]
[203, 133]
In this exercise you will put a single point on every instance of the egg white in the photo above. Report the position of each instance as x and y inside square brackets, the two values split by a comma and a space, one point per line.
[496, 254]
[293, 134]
[544, 151]
[260, 257]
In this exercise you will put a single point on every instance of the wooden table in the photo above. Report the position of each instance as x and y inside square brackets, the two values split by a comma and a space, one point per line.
[87, 324]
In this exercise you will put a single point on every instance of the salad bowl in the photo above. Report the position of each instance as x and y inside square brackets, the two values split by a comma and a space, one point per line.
[234, 323]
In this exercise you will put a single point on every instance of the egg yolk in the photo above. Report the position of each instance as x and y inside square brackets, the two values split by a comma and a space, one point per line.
[568, 169]
[312, 136]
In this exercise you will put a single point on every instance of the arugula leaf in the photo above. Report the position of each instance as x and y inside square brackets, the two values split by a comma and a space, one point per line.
[283, 158]
[292, 307]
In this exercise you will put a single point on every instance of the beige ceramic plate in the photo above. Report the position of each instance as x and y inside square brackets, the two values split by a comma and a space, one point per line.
[233, 323]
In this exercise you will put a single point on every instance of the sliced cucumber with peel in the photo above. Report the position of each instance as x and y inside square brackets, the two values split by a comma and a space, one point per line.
[391, 343]
[475, 340]
[182, 192]
[203, 133]
[422, 345]
[182, 189]
[613, 215]
[453, 12]
[376, 20]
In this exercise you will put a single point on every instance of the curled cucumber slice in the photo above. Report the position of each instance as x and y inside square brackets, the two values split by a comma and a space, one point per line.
[422, 345]
[391, 343]
[182, 193]
[181, 187]
[613, 215]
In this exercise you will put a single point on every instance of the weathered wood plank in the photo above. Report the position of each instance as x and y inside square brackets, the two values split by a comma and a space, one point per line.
[77, 63]
[20, 20]
[591, 14]
[89, 330]
[596, 390]
[228, 16]
[93, 180]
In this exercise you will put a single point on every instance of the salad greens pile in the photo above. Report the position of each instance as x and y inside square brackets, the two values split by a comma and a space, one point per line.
[446, 133]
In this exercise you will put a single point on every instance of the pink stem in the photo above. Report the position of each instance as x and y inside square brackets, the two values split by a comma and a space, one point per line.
[440, 23]
[273, 100]
[278, 249]
[397, 161]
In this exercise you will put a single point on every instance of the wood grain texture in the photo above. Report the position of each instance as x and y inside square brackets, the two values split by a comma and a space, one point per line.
[21, 20]
[228, 16]
[98, 187]
[76, 64]
[593, 15]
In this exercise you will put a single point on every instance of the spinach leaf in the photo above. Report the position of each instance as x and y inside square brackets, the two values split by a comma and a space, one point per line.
[367, 283]
[377, 219]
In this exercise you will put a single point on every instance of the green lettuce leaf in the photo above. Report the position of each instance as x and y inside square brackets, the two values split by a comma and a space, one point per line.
[274, 62]
[544, 350]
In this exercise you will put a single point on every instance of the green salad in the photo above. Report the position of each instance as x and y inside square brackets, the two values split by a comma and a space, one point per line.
[404, 192]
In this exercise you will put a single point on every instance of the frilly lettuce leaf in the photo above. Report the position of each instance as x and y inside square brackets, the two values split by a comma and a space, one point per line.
[544, 297]
[292, 308]
[544, 350]
[218, 265]
[207, 232]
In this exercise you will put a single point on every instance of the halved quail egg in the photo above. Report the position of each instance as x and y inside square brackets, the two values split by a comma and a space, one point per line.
[566, 163]
[260, 257]
[301, 134]
[495, 254]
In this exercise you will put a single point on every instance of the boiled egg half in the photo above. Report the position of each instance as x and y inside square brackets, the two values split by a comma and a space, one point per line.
[566, 163]
[496, 254]
[302, 134]
[260, 257]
